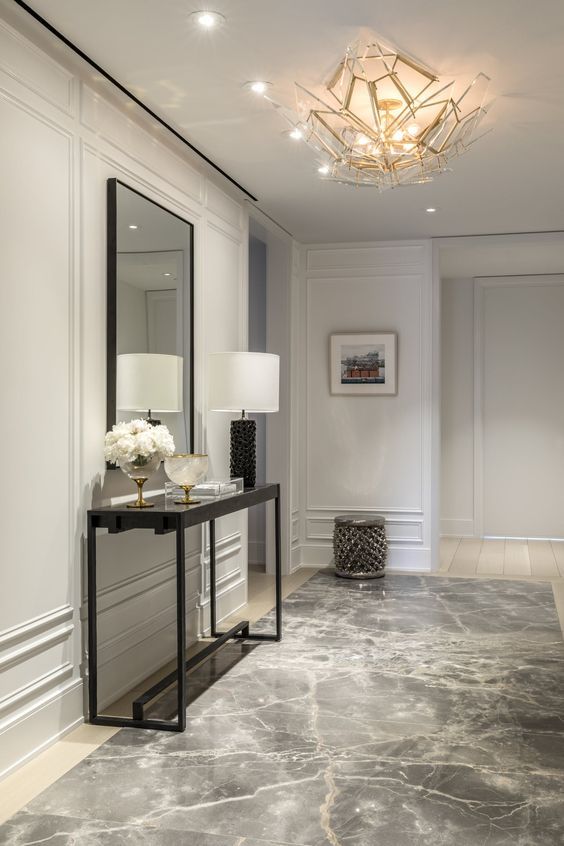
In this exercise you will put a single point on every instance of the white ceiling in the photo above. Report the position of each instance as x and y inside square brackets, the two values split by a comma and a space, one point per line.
[510, 181]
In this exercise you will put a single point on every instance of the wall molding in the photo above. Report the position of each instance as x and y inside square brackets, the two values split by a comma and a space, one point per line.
[355, 257]
[138, 584]
[40, 644]
[410, 527]
[35, 80]
[36, 625]
[40, 726]
[481, 284]
[413, 274]
[63, 108]
[35, 688]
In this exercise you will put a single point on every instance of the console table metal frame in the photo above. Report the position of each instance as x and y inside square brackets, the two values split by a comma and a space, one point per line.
[163, 519]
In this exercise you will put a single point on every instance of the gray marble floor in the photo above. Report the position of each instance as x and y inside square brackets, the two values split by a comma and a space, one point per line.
[407, 710]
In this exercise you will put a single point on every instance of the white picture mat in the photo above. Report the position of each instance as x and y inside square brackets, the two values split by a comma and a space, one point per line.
[386, 339]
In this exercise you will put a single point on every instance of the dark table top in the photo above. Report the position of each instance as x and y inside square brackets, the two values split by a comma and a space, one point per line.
[166, 516]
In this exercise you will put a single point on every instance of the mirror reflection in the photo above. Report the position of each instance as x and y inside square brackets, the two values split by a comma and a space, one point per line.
[149, 297]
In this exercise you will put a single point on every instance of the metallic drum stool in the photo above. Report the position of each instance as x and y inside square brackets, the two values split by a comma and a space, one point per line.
[360, 546]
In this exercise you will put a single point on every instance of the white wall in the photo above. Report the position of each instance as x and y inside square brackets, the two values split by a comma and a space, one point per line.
[502, 406]
[367, 454]
[457, 407]
[61, 140]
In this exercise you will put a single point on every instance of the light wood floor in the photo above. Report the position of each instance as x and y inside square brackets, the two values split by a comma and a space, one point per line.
[510, 558]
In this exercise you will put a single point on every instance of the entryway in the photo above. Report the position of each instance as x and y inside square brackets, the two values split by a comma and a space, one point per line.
[502, 406]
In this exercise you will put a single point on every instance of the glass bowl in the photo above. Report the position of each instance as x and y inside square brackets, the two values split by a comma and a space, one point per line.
[186, 470]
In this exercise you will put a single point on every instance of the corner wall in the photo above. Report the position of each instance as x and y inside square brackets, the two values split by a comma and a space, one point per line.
[366, 454]
[63, 136]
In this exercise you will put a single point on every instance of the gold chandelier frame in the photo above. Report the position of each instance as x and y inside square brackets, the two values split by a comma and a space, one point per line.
[389, 120]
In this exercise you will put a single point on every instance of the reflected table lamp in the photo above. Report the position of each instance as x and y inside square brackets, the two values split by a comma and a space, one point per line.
[245, 382]
[149, 382]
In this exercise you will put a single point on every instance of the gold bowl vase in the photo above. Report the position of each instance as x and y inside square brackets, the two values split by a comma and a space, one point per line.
[139, 471]
[186, 470]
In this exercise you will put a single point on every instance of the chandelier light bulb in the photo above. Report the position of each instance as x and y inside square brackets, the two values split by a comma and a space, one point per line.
[413, 129]
[296, 134]
[398, 135]
[323, 170]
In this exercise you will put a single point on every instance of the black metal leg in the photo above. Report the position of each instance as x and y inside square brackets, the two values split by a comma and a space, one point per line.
[181, 624]
[213, 609]
[278, 579]
[240, 630]
[92, 633]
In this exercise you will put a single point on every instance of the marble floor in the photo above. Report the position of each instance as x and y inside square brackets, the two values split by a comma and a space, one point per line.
[408, 710]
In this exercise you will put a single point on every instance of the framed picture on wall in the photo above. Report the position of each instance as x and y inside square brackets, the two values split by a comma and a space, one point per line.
[364, 364]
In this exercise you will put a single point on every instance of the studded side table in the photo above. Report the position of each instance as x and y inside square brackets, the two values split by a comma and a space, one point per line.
[360, 546]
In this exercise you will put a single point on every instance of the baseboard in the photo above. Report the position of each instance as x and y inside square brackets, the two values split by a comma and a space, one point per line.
[41, 726]
[457, 527]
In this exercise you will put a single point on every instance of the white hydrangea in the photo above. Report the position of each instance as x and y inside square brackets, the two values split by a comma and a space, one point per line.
[137, 440]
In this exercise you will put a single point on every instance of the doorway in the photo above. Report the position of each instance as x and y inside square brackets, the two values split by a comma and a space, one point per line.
[502, 406]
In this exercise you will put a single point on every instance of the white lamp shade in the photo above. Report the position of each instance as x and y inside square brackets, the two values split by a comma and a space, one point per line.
[149, 381]
[244, 381]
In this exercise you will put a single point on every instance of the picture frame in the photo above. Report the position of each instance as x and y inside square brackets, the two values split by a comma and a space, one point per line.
[364, 364]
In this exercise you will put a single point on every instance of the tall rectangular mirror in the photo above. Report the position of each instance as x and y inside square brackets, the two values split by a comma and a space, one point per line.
[150, 297]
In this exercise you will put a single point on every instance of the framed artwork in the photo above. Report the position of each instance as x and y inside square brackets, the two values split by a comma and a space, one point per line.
[364, 364]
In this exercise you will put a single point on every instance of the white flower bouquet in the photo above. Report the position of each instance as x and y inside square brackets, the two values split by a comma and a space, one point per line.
[137, 442]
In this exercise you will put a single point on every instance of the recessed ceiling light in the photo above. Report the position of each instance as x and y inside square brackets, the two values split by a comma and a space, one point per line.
[133, 226]
[206, 19]
[167, 274]
[430, 211]
[296, 134]
[258, 86]
[323, 169]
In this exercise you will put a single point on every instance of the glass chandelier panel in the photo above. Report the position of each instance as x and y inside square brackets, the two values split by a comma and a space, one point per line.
[388, 120]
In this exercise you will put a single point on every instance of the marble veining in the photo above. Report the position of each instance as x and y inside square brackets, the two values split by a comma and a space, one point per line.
[407, 710]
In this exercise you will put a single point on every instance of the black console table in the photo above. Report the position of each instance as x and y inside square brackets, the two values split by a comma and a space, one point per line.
[163, 518]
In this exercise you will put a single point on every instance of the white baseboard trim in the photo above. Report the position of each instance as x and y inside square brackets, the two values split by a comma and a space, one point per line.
[41, 726]
[457, 527]
[228, 601]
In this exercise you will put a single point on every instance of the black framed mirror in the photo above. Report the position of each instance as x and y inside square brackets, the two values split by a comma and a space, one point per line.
[150, 297]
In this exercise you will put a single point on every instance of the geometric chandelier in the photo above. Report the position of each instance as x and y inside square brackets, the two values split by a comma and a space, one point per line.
[388, 121]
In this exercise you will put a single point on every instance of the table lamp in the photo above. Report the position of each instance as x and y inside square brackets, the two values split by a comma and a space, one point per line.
[149, 382]
[245, 382]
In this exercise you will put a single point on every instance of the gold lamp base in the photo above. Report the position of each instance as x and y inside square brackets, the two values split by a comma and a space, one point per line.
[140, 502]
[187, 500]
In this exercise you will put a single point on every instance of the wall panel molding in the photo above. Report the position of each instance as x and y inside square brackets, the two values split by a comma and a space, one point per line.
[29, 66]
[35, 688]
[30, 628]
[397, 531]
[381, 258]
[42, 696]
[105, 120]
[361, 288]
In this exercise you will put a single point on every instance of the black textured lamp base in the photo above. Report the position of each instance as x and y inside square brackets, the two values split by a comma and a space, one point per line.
[243, 456]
